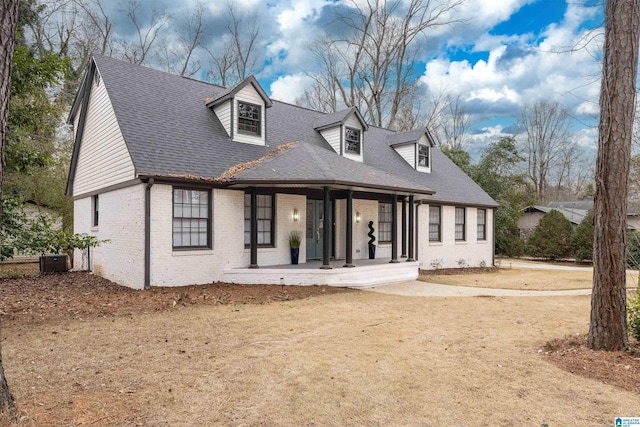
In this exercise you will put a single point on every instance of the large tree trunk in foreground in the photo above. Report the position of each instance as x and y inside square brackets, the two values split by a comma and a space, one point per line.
[608, 327]
[8, 24]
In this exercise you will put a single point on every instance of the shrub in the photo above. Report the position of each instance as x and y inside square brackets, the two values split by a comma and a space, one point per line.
[551, 238]
[633, 250]
[582, 239]
[508, 241]
[633, 315]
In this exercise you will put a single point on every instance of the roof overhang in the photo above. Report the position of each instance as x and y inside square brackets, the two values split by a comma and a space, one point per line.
[314, 184]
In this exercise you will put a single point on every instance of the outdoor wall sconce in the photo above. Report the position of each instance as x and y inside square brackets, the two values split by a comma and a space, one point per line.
[296, 216]
[358, 217]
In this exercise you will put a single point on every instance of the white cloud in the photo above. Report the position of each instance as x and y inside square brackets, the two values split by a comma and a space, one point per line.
[523, 73]
[288, 88]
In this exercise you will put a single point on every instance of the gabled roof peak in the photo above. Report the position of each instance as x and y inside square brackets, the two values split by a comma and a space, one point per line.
[231, 92]
[409, 137]
[339, 118]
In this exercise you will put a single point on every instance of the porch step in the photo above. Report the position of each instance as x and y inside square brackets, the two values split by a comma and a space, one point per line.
[361, 276]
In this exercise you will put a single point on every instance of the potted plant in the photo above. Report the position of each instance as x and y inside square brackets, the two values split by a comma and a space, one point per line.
[372, 247]
[294, 243]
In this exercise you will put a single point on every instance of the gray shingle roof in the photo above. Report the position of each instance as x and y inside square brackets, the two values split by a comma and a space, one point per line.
[169, 131]
[233, 90]
[325, 121]
[317, 164]
[408, 137]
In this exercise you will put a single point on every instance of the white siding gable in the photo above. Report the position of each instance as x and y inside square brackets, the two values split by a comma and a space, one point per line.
[353, 123]
[103, 159]
[408, 153]
[250, 95]
[223, 111]
[424, 141]
[332, 136]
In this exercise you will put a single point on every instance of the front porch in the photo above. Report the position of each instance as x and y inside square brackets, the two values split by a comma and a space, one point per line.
[365, 273]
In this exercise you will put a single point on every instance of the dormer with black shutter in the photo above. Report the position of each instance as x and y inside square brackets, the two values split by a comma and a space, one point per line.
[242, 111]
[344, 131]
[414, 147]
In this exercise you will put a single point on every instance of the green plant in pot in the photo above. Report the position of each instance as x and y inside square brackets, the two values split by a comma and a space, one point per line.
[294, 244]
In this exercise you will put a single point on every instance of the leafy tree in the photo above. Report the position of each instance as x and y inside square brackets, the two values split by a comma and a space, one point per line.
[459, 156]
[36, 156]
[508, 241]
[582, 239]
[496, 174]
[551, 238]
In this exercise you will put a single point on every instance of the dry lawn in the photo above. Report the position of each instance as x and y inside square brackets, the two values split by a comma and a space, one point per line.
[520, 278]
[357, 358]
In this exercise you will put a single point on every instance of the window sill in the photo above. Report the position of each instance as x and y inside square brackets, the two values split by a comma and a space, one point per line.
[461, 242]
[435, 243]
[94, 228]
[262, 249]
[191, 251]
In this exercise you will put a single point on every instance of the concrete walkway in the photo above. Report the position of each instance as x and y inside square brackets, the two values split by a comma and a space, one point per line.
[423, 289]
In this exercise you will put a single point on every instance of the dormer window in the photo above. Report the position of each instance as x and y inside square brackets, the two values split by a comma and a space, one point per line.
[352, 140]
[249, 118]
[423, 155]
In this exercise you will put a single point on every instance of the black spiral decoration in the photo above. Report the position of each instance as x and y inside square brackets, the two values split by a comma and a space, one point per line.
[370, 233]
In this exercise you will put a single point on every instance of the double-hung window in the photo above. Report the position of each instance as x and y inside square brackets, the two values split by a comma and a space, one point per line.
[249, 118]
[191, 218]
[265, 216]
[482, 224]
[435, 224]
[352, 140]
[385, 222]
[423, 155]
[460, 224]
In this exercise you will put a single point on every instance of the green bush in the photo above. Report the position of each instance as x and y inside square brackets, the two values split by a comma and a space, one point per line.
[551, 238]
[508, 241]
[633, 315]
[582, 239]
[633, 250]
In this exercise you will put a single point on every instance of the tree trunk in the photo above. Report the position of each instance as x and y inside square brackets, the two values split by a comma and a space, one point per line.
[608, 327]
[8, 24]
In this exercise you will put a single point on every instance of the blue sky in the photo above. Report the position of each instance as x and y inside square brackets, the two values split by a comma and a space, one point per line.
[505, 55]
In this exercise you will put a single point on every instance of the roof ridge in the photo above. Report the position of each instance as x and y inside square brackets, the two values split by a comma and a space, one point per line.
[235, 170]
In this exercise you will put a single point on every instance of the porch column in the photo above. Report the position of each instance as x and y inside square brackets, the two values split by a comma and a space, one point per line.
[254, 228]
[349, 235]
[394, 229]
[326, 230]
[404, 227]
[411, 232]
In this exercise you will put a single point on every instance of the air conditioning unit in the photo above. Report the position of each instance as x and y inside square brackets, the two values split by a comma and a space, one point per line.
[53, 264]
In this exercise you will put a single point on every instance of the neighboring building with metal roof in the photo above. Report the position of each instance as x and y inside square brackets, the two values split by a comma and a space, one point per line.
[194, 183]
[573, 210]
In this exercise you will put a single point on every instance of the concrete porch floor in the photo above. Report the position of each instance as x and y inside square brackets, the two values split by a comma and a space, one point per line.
[365, 274]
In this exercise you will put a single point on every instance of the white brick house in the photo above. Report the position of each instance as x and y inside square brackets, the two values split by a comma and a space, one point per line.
[193, 183]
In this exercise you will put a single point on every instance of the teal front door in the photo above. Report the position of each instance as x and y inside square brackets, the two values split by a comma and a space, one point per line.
[315, 228]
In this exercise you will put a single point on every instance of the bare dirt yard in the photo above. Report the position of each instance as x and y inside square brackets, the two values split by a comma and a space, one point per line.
[528, 279]
[80, 351]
